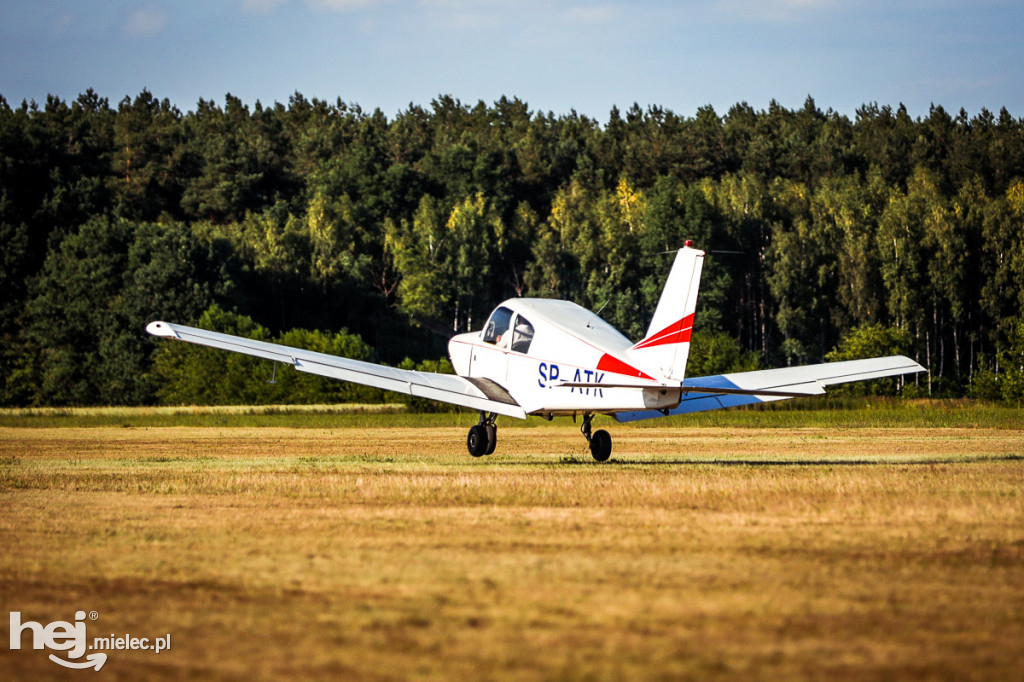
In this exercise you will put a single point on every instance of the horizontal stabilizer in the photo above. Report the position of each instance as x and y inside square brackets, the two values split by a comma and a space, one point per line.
[701, 394]
[687, 390]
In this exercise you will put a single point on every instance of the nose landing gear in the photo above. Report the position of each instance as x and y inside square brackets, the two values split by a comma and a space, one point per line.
[600, 441]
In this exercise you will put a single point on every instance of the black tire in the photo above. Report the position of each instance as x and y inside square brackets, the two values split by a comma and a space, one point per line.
[601, 445]
[492, 438]
[476, 442]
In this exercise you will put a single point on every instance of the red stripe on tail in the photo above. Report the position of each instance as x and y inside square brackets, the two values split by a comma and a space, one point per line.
[677, 332]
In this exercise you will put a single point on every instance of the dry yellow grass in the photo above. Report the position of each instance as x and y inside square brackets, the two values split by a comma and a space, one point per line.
[391, 554]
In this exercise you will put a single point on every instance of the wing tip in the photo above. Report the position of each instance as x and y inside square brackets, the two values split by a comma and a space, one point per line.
[159, 328]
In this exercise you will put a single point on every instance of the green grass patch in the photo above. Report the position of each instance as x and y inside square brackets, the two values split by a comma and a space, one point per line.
[840, 412]
[844, 412]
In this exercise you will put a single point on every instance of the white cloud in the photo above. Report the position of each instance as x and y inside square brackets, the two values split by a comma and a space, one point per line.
[146, 21]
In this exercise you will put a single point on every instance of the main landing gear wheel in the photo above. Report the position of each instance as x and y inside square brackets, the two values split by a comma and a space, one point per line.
[600, 441]
[601, 445]
[476, 442]
[483, 437]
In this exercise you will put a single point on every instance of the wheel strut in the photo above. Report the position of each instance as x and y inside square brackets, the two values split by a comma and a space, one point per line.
[585, 429]
[600, 441]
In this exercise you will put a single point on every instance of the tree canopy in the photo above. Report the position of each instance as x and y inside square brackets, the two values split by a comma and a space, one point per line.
[331, 226]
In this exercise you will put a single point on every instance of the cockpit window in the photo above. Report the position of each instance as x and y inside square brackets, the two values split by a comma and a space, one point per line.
[522, 335]
[497, 327]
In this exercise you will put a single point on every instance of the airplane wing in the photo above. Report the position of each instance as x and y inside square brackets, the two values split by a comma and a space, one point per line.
[476, 394]
[701, 394]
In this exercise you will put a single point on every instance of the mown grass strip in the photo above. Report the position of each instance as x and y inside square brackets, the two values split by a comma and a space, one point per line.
[838, 412]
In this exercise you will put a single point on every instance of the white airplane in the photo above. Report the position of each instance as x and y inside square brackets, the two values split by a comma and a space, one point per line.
[554, 358]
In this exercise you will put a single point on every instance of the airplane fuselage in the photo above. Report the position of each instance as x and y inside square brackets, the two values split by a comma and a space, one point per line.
[531, 347]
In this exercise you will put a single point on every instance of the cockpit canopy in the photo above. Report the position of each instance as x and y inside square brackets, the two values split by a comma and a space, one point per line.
[508, 329]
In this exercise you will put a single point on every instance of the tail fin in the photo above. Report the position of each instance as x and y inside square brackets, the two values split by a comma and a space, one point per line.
[667, 344]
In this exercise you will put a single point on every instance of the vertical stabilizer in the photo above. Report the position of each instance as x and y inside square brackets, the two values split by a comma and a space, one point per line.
[667, 344]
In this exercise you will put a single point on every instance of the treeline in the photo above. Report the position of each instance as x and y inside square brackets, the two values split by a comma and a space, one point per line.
[827, 236]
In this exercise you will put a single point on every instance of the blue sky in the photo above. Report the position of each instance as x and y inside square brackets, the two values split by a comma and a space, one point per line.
[557, 55]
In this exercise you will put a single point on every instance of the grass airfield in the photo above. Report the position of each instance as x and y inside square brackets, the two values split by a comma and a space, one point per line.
[370, 551]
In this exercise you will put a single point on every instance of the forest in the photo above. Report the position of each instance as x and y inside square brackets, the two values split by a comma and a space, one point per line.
[331, 227]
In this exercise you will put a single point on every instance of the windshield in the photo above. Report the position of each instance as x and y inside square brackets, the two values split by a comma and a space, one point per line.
[498, 325]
